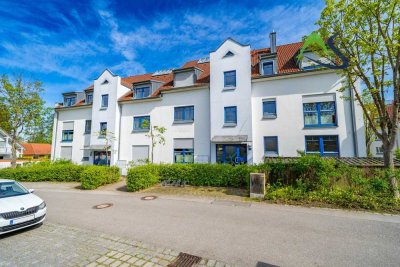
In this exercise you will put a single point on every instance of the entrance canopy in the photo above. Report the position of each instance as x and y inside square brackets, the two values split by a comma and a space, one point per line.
[229, 138]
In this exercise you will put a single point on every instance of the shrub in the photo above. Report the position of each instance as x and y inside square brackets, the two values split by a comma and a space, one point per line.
[44, 172]
[94, 176]
[142, 177]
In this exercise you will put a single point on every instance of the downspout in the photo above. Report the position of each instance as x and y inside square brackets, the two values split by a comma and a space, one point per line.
[119, 132]
[353, 124]
[55, 136]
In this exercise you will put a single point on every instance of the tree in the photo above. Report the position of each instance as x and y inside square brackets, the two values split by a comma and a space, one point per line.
[156, 135]
[370, 136]
[368, 35]
[20, 99]
[43, 132]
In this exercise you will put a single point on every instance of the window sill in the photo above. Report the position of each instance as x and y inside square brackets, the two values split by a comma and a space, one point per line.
[271, 155]
[229, 88]
[230, 124]
[268, 117]
[140, 130]
[102, 137]
[183, 122]
[103, 108]
[86, 132]
[66, 141]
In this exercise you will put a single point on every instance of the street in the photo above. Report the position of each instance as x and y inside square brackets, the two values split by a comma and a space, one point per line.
[238, 233]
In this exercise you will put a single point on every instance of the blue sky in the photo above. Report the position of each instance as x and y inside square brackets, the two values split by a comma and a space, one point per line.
[67, 44]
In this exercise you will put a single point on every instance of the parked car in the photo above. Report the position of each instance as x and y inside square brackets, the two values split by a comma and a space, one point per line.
[19, 207]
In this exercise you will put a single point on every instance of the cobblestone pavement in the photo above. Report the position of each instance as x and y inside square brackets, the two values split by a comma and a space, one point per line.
[59, 245]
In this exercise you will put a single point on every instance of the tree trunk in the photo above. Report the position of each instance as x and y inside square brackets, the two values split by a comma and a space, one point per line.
[369, 153]
[389, 165]
[13, 153]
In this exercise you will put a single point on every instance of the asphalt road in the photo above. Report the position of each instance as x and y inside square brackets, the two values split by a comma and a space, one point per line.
[242, 234]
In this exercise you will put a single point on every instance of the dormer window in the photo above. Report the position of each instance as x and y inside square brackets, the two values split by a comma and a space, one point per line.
[89, 98]
[142, 92]
[268, 67]
[69, 101]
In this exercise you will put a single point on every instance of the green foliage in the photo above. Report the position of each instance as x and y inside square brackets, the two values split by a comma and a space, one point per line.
[94, 176]
[142, 177]
[397, 153]
[43, 131]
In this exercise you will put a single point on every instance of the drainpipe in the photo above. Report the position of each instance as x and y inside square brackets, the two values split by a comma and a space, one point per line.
[55, 136]
[353, 123]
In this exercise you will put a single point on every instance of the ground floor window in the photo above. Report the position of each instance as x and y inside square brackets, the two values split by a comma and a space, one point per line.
[326, 145]
[231, 153]
[183, 155]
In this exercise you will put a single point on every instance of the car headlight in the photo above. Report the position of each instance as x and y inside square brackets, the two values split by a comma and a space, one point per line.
[42, 206]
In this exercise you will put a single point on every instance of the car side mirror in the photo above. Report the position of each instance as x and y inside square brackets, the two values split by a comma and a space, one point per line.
[31, 190]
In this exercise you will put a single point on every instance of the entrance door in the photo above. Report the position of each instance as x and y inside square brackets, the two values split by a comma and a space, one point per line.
[100, 158]
[232, 153]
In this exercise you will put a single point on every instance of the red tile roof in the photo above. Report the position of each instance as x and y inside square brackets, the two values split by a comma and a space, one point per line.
[286, 55]
[36, 149]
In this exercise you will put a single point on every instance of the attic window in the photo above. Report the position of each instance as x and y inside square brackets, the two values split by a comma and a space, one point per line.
[229, 54]
[105, 82]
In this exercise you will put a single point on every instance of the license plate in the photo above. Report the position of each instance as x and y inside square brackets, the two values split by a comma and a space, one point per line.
[22, 219]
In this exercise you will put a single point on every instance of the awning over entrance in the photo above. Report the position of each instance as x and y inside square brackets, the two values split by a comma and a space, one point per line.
[95, 147]
[229, 138]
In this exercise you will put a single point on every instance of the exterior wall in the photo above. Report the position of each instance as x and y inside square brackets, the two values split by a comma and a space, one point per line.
[5, 147]
[80, 139]
[289, 124]
[239, 97]
[161, 113]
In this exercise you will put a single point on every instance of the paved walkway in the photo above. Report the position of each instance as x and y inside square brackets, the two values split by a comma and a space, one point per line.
[58, 245]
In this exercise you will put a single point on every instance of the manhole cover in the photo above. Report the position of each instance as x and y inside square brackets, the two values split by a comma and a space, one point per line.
[185, 260]
[103, 206]
[148, 198]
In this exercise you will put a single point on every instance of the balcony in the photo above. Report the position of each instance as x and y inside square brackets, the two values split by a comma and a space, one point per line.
[5, 150]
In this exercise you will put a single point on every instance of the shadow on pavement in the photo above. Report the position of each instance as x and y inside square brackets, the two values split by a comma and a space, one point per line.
[263, 264]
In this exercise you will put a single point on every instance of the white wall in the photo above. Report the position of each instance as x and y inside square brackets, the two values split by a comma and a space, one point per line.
[239, 97]
[289, 124]
[80, 139]
[186, 78]
[161, 113]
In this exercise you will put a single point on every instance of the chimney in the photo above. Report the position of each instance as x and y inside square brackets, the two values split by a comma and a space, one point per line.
[272, 39]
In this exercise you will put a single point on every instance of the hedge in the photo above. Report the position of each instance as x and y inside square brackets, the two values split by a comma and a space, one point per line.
[94, 176]
[141, 177]
[90, 177]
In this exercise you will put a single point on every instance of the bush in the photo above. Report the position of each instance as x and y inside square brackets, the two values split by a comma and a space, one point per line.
[94, 176]
[142, 177]
[45, 171]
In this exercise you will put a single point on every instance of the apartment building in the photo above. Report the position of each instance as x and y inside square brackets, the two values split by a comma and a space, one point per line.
[237, 105]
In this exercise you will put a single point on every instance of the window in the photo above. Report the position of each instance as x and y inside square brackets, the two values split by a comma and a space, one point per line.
[89, 98]
[271, 145]
[67, 135]
[88, 126]
[103, 128]
[230, 78]
[104, 101]
[269, 108]
[184, 114]
[268, 67]
[229, 54]
[327, 145]
[230, 115]
[141, 123]
[142, 92]
[319, 114]
[379, 150]
[70, 101]
[183, 155]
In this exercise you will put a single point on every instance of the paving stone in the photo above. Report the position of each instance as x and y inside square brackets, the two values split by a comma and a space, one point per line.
[125, 258]
[116, 263]
[139, 263]
[211, 263]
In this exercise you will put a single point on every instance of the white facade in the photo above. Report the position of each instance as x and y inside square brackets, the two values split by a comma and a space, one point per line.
[5, 146]
[214, 112]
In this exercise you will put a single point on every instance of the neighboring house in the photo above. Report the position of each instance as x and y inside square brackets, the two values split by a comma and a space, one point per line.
[5, 146]
[36, 150]
[238, 105]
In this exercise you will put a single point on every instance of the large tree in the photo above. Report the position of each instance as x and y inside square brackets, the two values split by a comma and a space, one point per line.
[20, 99]
[42, 132]
[368, 35]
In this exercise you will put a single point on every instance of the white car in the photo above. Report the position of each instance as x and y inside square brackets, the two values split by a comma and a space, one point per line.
[19, 207]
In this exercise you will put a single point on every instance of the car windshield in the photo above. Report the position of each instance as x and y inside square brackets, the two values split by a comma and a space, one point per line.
[11, 189]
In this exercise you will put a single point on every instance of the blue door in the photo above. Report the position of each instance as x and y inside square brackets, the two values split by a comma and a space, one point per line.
[231, 153]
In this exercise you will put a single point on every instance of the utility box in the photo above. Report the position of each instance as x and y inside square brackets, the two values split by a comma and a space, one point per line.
[257, 185]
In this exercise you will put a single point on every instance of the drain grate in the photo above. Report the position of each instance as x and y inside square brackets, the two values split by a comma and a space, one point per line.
[103, 206]
[185, 260]
[148, 198]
